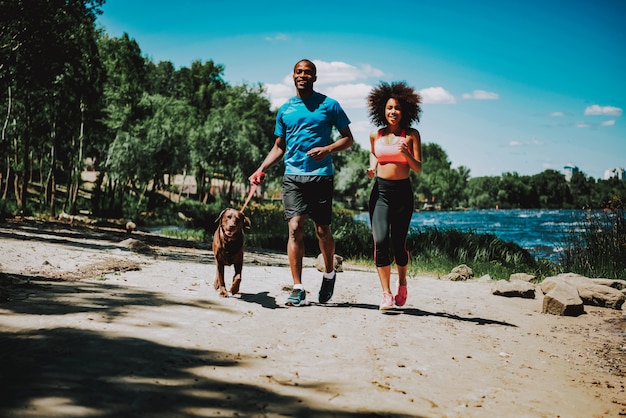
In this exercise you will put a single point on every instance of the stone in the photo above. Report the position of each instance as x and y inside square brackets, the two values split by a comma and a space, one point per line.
[600, 295]
[525, 277]
[459, 273]
[338, 264]
[563, 300]
[515, 288]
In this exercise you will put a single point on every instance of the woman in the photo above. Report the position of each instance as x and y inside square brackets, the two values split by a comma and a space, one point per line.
[395, 151]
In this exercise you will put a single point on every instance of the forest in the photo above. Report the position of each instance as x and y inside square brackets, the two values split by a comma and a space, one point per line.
[76, 100]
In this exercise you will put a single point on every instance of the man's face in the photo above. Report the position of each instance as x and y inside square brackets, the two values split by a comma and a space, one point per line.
[304, 76]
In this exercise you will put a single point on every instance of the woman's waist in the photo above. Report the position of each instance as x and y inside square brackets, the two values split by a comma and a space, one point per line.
[393, 171]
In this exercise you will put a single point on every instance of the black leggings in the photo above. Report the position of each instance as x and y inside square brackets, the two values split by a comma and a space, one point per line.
[391, 208]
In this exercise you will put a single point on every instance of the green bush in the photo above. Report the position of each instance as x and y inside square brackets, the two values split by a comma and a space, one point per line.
[8, 208]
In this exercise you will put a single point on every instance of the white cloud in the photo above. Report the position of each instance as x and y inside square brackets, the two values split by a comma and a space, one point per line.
[336, 79]
[436, 95]
[595, 109]
[532, 143]
[351, 96]
[340, 72]
[608, 122]
[278, 93]
[481, 95]
[557, 114]
[279, 37]
[581, 125]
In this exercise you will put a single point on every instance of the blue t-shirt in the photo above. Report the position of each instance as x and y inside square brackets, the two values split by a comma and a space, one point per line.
[306, 124]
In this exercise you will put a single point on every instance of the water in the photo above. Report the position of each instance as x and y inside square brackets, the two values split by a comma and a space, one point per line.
[540, 231]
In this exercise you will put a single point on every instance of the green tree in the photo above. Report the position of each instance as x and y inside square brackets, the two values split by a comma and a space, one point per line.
[351, 181]
[550, 189]
[581, 188]
[438, 182]
[47, 58]
[234, 137]
[483, 192]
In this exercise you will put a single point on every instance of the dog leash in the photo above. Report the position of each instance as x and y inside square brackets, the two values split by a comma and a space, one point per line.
[252, 190]
[258, 179]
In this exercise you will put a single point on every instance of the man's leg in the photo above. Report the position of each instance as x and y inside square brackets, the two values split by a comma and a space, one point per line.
[327, 246]
[295, 247]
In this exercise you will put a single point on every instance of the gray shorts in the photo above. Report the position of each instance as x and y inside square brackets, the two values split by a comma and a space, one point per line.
[308, 195]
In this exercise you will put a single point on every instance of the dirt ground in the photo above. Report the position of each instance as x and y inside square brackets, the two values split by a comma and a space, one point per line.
[92, 326]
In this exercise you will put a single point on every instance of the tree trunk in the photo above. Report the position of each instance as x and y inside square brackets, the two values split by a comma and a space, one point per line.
[5, 182]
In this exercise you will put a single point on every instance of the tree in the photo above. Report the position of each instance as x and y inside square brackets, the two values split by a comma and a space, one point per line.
[350, 179]
[45, 50]
[231, 142]
[438, 182]
[550, 188]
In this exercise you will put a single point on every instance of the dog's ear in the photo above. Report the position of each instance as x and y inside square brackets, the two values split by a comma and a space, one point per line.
[219, 217]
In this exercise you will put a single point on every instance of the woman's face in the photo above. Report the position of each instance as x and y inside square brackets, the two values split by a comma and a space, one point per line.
[393, 112]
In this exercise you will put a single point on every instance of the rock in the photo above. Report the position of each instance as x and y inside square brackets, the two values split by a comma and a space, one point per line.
[484, 279]
[599, 295]
[563, 300]
[571, 278]
[589, 290]
[615, 284]
[523, 277]
[138, 246]
[514, 288]
[130, 226]
[319, 263]
[459, 273]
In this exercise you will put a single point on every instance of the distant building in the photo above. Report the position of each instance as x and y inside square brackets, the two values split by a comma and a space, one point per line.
[615, 173]
[569, 169]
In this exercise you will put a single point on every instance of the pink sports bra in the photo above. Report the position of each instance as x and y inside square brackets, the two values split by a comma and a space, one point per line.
[389, 153]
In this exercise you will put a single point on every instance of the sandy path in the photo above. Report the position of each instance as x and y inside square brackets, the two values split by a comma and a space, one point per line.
[153, 339]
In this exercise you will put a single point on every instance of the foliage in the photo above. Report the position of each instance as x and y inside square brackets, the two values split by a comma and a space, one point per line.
[442, 250]
[596, 247]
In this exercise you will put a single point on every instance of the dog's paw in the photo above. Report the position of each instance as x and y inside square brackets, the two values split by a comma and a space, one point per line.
[223, 292]
[234, 289]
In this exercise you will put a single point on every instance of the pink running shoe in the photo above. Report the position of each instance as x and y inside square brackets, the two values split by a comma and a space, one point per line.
[387, 302]
[401, 296]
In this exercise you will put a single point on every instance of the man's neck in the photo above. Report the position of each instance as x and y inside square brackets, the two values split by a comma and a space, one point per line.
[303, 94]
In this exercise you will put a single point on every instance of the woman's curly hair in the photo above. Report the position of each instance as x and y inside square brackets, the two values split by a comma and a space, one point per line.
[408, 98]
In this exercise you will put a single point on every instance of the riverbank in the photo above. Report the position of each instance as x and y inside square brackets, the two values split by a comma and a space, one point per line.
[95, 322]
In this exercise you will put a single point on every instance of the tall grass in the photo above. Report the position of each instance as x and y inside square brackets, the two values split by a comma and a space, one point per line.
[596, 245]
[438, 251]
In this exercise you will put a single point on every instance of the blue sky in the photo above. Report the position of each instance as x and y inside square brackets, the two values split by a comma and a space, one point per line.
[507, 86]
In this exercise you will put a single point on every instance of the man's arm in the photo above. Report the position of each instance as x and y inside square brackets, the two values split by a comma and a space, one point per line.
[341, 144]
[272, 157]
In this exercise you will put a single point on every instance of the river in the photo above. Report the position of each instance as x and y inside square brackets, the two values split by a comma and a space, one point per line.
[540, 231]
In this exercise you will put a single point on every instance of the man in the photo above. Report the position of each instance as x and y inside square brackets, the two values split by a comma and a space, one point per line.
[303, 138]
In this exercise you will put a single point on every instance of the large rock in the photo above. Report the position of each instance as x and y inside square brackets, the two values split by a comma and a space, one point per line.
[459, 273]
[338, 264]
[514, 288]
[599, 295]
[563, 300]
[597, 292]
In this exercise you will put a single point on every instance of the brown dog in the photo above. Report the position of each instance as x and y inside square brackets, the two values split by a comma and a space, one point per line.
[228, 242]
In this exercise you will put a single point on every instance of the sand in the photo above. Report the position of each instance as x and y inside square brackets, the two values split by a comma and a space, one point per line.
[92, 328]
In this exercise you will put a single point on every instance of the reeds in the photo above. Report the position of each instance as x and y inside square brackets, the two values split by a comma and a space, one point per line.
[596, 245]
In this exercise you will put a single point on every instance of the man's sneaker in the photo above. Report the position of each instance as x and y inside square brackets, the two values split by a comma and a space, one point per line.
[328, 286]
[297, 298]
[401, 296]
[387, 302]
